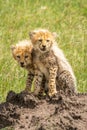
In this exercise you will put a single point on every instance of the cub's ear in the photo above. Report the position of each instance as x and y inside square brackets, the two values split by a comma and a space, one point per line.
[31, 34]
[13, 47]
[55, 35]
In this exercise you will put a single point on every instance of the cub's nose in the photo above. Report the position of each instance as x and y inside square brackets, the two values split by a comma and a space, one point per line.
[44, 46]
[22, 64]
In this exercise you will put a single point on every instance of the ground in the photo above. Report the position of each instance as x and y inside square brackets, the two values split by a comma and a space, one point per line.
[24, 111]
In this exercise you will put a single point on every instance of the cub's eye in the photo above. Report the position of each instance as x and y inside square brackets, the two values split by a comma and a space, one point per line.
[18, 57]
[40, 40]
[47, 40]
[26, 56]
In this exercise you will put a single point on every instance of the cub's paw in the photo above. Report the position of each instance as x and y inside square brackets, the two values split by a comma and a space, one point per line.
[27, 89]
[52, 94]
[36, 92]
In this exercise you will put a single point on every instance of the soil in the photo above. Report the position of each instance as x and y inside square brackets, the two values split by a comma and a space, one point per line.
[24, 111]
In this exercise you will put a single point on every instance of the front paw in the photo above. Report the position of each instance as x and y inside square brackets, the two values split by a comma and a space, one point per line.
[27, 90]
[52, 93]
[36, 91]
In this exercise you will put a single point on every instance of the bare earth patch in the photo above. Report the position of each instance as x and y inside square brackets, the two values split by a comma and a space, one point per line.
[27, 112]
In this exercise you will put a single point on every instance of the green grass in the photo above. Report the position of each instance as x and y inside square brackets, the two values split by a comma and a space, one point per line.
[7, 128]
[66, 17]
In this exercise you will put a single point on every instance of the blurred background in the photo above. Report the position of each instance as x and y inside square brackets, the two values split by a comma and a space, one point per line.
[68, 18]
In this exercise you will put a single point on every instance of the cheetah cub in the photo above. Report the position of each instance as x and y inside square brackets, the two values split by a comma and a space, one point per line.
[22, 53]
[50, 62]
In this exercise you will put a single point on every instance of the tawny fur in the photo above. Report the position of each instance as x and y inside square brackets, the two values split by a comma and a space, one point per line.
[50, 62]
[22, 54]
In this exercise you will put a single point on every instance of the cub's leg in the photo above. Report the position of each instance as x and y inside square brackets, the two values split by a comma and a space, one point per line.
[37, 82]
[42, 88]
[66, 82]
[52, 81]
[29, 81]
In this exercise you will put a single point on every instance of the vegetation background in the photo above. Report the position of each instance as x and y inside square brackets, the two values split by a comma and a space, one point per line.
[68, 18]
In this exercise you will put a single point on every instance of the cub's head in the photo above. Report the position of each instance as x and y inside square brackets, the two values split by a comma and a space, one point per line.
[42, 40]
[22, 53]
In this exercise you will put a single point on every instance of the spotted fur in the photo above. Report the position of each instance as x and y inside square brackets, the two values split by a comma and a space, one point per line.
[22, 53]
[50, 62]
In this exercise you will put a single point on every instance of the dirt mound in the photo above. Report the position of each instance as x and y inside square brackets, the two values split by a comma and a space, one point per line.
[27, 112]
